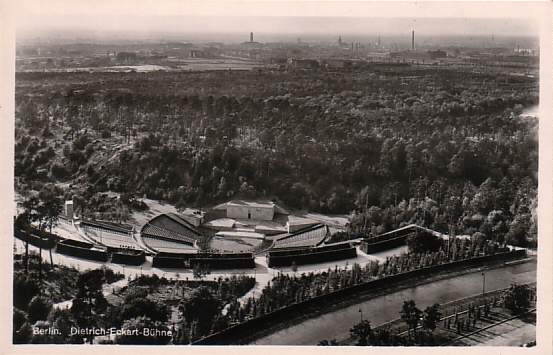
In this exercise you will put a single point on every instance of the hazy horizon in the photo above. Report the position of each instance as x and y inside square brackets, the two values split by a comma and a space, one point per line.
[268, 29]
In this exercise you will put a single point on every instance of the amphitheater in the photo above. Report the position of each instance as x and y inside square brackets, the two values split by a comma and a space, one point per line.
[235, 235]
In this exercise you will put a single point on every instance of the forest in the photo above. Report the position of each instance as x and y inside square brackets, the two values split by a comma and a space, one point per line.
[444, 148]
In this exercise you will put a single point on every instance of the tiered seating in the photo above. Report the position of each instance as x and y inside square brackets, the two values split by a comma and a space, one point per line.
[114, 227]
[299, 256]
[167, 246]
[155, 232]
[109, 238]
[170, 225]
[307, 237]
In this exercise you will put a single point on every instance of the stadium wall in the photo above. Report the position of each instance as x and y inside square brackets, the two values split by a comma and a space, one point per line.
[311, 257]
[128, 259]
[44, 243]
[79, 252]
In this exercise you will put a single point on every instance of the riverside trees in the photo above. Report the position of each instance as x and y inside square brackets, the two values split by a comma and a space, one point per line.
[285, 290]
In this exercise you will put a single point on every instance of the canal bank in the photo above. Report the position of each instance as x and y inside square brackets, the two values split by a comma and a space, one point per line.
[335, 323]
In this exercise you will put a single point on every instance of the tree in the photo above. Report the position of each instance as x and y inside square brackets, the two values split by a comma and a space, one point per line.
[518, 230]
[431, 317]
[39, 308]
[62, 319]
[89, 301]
[144, 307]
[24, 289]
[362, 332]
[411, 315]
[202, 307]
[423, 241]
[51, 201]
[51, 204]
[517, 298]
[30, 214]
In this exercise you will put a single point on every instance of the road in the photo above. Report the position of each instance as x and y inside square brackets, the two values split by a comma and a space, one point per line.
[336, 324]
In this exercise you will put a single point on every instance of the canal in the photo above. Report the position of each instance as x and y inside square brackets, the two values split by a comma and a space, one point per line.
[336, 324]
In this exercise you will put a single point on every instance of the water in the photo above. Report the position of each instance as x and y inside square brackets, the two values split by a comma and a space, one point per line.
[336, 325]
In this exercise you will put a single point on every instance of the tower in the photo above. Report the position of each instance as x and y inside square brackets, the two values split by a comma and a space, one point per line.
[413, 40]
[68, 210]
[251, 36]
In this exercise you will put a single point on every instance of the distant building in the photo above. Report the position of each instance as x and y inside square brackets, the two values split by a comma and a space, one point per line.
[253, 210]
[68, 209]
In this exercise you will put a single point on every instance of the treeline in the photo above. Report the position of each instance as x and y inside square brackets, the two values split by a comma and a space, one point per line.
[314, 141]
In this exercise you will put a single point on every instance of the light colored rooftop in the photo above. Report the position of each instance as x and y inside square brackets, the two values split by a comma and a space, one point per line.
[256, 204]
[221, 222]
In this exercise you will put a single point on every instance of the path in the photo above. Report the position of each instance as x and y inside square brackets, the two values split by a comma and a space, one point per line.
[106, 290]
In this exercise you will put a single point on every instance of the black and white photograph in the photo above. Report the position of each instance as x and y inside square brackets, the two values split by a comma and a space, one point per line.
[308, 173]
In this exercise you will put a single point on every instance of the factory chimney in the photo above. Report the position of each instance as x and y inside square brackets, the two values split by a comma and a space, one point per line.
[413, 40]
[251, 36]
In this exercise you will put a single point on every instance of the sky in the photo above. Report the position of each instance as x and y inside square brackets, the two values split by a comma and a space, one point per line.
[298, 18]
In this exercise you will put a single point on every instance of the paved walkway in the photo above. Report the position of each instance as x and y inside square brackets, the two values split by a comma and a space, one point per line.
[262, 273]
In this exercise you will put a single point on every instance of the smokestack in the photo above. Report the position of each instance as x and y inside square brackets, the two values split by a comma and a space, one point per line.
[413, 40]
[251, 36]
